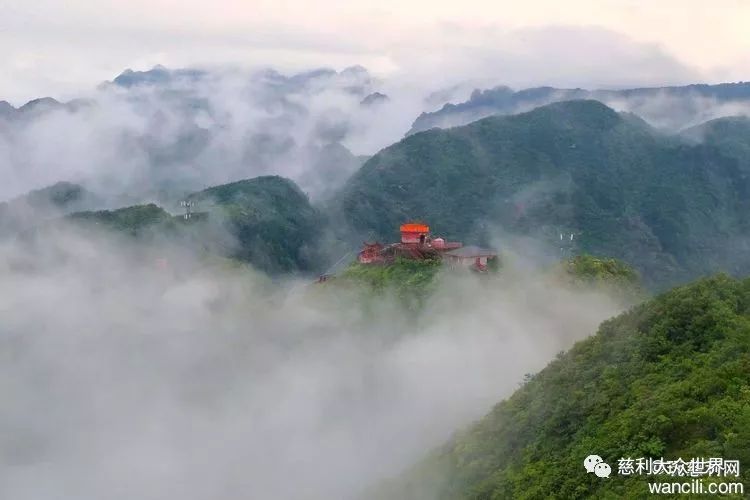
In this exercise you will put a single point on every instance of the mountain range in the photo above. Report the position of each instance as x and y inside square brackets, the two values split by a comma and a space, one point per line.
[673, 205]
[671, 108]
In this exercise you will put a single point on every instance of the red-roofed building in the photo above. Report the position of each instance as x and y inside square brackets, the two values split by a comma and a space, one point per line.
[416, 243]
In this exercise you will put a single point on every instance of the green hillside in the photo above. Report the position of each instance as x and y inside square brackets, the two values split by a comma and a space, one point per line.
[270, 220]
[135, 220]
[411, 281]
[731, 136]
[611, 276]
[670, 378]
[265, 221]
[672, 208]
[588, 269]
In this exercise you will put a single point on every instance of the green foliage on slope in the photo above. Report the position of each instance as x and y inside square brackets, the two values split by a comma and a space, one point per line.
[673, 209]
[129, 220]
[611, 276]
[670, 378]
[270, 220]
[592, 269]
[730, 135]
[265, 221]
[411, 281]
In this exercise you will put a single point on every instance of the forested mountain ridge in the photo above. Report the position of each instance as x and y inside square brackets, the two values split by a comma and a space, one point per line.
[667, 379]
[672, 208]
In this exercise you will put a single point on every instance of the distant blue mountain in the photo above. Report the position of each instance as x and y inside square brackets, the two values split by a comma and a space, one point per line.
[40, 106]
[158, 74]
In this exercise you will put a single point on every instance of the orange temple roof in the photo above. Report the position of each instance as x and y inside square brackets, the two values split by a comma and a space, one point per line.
[415, 227]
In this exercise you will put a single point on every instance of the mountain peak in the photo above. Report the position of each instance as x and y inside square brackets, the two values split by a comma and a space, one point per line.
[6, 108]
[585, 113]
[578, 105]
[268, 184]
[40, 103]
[355, 70]
[155, 76]
[373, 99]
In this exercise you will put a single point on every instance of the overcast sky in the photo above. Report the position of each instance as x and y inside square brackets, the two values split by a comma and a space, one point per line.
[62, 48]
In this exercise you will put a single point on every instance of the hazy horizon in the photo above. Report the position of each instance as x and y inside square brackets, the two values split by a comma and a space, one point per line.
[60, 51]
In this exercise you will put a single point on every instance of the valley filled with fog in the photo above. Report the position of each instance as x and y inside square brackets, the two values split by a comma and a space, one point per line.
[201, 380]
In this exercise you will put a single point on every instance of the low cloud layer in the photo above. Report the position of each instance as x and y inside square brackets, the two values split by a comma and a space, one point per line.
[556, 55]
[163, 132]
[123, 377]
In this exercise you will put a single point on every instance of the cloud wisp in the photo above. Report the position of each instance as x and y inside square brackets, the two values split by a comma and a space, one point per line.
[173, 131]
